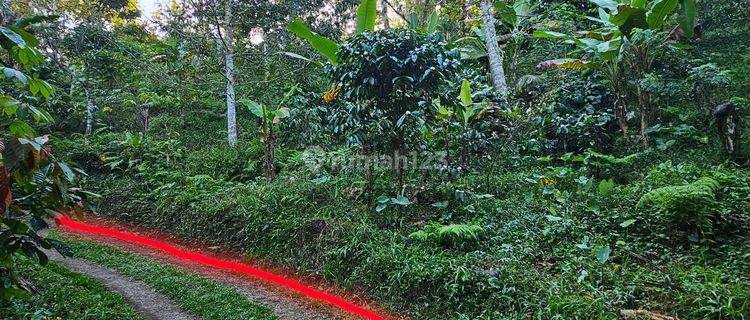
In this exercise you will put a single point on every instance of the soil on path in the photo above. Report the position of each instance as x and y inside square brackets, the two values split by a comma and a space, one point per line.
[146, 300]
[285, 305]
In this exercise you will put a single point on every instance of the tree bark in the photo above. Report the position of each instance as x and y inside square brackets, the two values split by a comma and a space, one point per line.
[270, 154]
[619, 89]
[228, 44]
[494, 53]
[384, 14]
[89, 109]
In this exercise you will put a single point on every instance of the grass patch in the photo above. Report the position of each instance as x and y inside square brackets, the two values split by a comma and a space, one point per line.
[195, 294]
[64, 294]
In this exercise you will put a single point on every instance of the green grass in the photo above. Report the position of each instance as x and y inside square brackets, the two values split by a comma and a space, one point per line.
[195, 294]
[61, 293]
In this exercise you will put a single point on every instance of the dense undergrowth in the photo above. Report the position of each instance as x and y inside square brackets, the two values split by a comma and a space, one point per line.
[62, 294]
[597, 163]
[576, 236]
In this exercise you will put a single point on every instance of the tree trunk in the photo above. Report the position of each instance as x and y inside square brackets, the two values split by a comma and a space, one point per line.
[384, 14]
[494, 53]
[229, 64]
[644, 99]
[269, 151]
[89, 109]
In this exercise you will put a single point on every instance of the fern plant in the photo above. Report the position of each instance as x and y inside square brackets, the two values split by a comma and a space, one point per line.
[691, 205]
[452, 235]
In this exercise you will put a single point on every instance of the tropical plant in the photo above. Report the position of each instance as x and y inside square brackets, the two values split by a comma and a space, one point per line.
[465, 112]
[365, 22]
[269, 120]
[623, 51]
[388, 78]
[688, 207]
[34, 185]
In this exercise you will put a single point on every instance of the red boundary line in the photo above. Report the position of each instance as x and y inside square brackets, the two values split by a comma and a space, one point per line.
[223, 265]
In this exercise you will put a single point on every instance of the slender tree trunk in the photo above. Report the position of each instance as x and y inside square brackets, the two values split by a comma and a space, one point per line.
[89, 109]
[494, 53]
[619, 89]
[384, 14]
[5, 11]
[229, 64]
[644, 99]
[270, 154]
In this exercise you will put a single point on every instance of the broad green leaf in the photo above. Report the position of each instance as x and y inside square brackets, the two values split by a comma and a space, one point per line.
[466, 93]
[20, 128]
[602, 253]
[629, 18]
[413, 21]
[281, 113]
[323, 45]
[15, 74]
[610, 5]
[28, 38]
[29, 20]
[506, 12]
[471, 48]
[687, 18]
[433, 22]
[303, 58]
[570, 64]
[606, 187]
[366, 13]
[552, 218]
[549, 34]
[13, 36]
[440, 205]
[68, 173]
[401, 200]
[627, 223]
[639, 4]
[381, 206]
[522, 8]
[660, 11]
[254, 107]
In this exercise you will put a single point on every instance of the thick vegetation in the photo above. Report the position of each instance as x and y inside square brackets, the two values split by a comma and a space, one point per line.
[382, 152]
[62, 294]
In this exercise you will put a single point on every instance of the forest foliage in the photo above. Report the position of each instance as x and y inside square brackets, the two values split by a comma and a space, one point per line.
[374, 148]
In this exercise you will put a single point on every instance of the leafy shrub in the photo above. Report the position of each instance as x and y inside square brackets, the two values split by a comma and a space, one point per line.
[691, 205]
[573, 116]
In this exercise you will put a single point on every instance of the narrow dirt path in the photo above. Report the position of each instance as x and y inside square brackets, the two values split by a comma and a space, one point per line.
[145, 299]
[284, 306]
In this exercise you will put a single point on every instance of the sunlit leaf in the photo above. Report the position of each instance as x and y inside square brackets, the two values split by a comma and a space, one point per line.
[323, 45]
[366, 14]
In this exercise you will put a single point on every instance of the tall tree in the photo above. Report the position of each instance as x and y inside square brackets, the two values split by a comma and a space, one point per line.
[494, 54]
[227, 43]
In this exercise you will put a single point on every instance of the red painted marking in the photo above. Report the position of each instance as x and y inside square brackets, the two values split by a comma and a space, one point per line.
[221, 264]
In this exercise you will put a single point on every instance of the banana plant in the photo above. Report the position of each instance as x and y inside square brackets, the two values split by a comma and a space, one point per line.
[269, 118]
[366, 14]
[465, 112]
[605, 47]
[468, 110]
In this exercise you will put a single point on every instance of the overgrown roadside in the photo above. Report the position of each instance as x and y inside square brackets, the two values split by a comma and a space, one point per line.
[150, 303]
[220, 293]
[58, 293]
